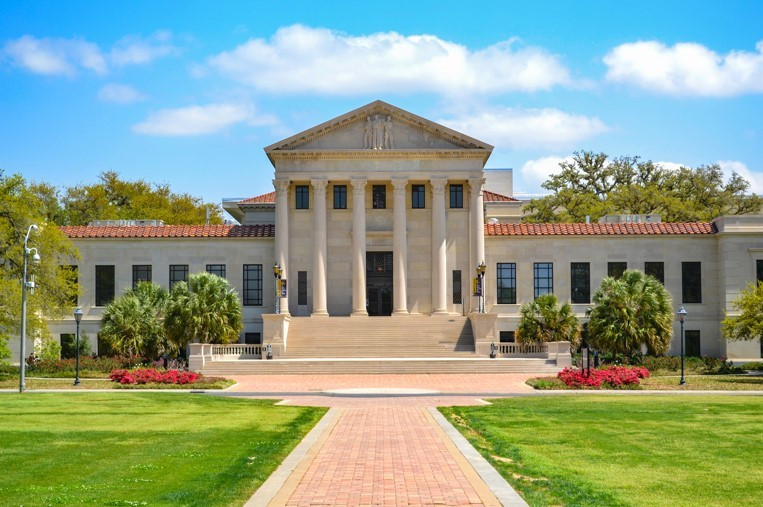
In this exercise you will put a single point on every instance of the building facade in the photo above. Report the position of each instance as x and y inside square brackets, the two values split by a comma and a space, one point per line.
[381, 213]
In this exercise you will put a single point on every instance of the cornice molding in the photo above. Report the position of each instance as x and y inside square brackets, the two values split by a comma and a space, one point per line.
[379, 154]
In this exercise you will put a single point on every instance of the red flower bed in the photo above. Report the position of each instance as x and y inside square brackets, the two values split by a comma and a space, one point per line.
[153, 376]
[613, 377]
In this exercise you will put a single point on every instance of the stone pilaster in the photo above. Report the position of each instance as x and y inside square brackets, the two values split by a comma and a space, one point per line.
[359, 247]
[319, 246]
[400, 249]
[282, 233]
[477, 229]
[439, 247]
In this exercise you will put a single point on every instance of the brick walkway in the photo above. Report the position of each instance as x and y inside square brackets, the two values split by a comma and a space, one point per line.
[388, 456]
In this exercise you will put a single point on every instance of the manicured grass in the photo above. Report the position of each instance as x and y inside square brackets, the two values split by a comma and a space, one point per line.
[48, 383]
[667, 383]
[667, 450]
[142, 448]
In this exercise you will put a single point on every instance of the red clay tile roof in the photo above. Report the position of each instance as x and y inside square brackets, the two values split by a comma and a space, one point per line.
[489, 196]
[599, 229]
[270, 198]
[170, 231]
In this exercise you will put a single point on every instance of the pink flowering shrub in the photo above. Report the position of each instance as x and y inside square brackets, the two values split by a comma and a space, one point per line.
[153, 376]
[613, 377]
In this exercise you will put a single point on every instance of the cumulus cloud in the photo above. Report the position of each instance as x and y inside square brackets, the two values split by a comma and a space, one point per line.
[137, 50]
[754, 177]
[120, 94]
[55, 56]
[671, 166]
[535, 172]
[527, 128]
[686, 69]
[199, 120]
[301, 59]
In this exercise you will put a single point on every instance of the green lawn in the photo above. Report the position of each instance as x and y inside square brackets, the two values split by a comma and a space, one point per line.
[667, 450]
[142, 448]
[52, 383]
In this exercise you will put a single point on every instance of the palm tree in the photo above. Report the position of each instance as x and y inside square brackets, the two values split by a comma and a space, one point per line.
[543, 320]
[206, 310]
[629, 312]
[132, 324]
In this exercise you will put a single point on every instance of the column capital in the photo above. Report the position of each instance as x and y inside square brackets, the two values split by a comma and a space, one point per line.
[281, 185]
[438, 184]
[319, 184]
[476, 184]
[358, 185]
[399, 184]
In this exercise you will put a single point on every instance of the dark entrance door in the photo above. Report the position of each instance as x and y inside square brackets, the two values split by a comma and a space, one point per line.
[379, 283]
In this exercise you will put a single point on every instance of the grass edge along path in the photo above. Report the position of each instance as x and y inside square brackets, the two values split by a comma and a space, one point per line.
[599, 450]
[142, 448]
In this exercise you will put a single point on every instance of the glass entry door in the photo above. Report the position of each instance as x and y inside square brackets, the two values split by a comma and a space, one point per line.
[379, 283]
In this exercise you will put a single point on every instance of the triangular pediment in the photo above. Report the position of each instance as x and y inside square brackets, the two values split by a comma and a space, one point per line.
[378, 127]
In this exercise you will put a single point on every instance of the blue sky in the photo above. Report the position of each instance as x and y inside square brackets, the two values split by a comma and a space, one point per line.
[190, 92]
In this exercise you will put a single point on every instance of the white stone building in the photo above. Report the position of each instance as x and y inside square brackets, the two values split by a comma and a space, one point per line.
[380, 212]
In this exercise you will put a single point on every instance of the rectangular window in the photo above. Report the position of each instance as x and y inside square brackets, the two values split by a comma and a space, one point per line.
[379, 196]
[544, 278]
[655, 269]
[457, 287]
[302, 193]
[104, 285]
[104, 347]
[302, 288]
[759, 263]
[216, 269]
[456, 196]
[506, 336]
[506, 282]
[691, 342]
[252, 338]
[178, 273]
[71, 272]
[340, 196]
[616, 269]
[580, 273]
[418, 197]
[69, 345]
[691, 276]
[140, 273]
[252, 284]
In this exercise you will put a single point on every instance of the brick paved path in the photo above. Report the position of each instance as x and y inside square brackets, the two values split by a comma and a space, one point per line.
[387, 455]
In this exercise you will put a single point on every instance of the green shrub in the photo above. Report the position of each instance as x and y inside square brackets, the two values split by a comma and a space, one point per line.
[86, 363]
[753, 366]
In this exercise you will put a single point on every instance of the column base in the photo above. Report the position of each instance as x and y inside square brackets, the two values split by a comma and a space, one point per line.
[440, 312]
[320, 313]
[400, 313]
[359, 313]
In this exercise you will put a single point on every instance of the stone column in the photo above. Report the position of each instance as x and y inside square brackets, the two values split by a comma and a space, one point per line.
[319, 246]
[439, 247]
[400, 249]
[282, 233]
[477, 229]
[359, 246]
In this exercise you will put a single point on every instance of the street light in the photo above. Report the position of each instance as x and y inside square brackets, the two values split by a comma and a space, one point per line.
[277, 272]
[77, 318]
[481, 284]
[681, 317]
[24, 286]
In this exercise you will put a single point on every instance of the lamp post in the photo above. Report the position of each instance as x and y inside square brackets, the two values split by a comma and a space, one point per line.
[24, 286]
[481, 283]
[681, 317]
[277, 271]
[77, 318]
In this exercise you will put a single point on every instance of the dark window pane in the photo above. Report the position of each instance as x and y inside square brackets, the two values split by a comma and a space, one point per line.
[252, 284]
[379, 196]
[692, 343]
[302, 193]
[506, 336]
[104, 285]
[456, 196]
[655, 269]
[104, 347]
[544, 278]
[616, 269]
[581, 282]
[178, 273]
[140, 273]
[691, 274]
[340, 196]
[506, 282]
[216, 269]
[378, 262]
[457, 287]
[69, 345]
[302, 288]
[760, 270]
[418, 197]
[252, 338]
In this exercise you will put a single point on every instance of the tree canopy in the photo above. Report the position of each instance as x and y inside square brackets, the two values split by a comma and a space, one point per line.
[748, 324]
[543, 320]
[114, 198]
[56, 288]
[594, 185]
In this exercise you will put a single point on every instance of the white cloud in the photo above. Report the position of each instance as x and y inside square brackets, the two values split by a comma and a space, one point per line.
[301, 59]
[199, 120]
[686, 69]
[535, 172]
[137, 50]
[671, 166]
[754, 177]
[120, 94]
[527, 128]
[55, 56]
